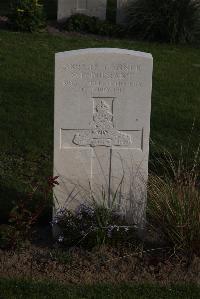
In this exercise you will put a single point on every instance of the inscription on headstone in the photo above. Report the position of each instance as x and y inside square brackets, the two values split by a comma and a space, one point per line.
[102, 125]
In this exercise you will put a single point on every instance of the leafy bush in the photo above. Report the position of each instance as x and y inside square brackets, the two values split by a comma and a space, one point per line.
[174, 204]
[27, 15]
[165, 20]
[86, 24]
[92, 226]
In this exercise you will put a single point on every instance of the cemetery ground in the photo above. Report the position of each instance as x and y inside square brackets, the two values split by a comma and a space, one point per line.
[26, 94]
[15, 289]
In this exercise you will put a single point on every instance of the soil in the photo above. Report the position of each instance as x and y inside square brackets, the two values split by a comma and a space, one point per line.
[104, 264]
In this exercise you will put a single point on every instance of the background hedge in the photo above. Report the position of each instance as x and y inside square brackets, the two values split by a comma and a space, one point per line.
[50, 8]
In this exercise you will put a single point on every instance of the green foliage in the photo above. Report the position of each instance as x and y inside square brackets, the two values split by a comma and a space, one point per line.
[174, 203]
[165, 20]
[50, 8]
[27, 15]
[86, 24]
[92, 226]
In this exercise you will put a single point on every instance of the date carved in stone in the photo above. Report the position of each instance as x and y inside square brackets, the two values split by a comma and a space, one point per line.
[102, 131]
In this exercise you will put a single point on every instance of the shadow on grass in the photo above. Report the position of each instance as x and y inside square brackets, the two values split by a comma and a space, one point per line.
[10, 289]
[7, 198]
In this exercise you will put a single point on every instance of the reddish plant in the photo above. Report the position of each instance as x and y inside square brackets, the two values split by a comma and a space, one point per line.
[28, 210]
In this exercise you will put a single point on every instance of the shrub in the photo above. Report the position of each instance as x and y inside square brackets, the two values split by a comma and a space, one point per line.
[165, 20]
[86, 24]
[174, 204]
[92, 226]
[27, 15]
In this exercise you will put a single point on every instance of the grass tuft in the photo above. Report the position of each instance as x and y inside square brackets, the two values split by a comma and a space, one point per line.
[174, 203]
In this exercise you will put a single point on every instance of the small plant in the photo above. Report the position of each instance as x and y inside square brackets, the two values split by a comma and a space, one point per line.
[86, 24]
[27, 15]
[81, 23]
[26, 213]
[174, 203]
[91, 226]
[165, 20]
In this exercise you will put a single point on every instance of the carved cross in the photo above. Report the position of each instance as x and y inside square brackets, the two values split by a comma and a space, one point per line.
[102, 138]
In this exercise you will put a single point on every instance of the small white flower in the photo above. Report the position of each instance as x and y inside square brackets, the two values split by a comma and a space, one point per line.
[54, 221]
[60, 239]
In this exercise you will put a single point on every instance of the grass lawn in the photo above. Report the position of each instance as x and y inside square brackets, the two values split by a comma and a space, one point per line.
[10, 289]
[27, 95]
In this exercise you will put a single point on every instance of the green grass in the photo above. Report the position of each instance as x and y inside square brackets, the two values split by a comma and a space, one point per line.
[10, 289]
[27, 96]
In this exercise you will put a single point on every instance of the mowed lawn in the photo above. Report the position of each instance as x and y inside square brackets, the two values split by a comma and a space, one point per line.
[27, 96]
[10, 289]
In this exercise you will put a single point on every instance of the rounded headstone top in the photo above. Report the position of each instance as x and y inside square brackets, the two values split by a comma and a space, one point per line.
[104, 51]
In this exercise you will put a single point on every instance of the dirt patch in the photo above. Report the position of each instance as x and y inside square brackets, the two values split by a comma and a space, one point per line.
[102, 265]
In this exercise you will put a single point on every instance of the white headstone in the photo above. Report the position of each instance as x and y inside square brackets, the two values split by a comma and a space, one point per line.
[102, 126]
[122, 12]
[66, 8]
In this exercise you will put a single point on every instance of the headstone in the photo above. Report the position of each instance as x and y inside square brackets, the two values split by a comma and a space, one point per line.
[102, 126]
[66, 8]
[122, 11]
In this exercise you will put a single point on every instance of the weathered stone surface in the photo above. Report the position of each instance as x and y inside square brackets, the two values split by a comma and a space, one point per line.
[102, 125]
[66, 8]
[122, 11]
